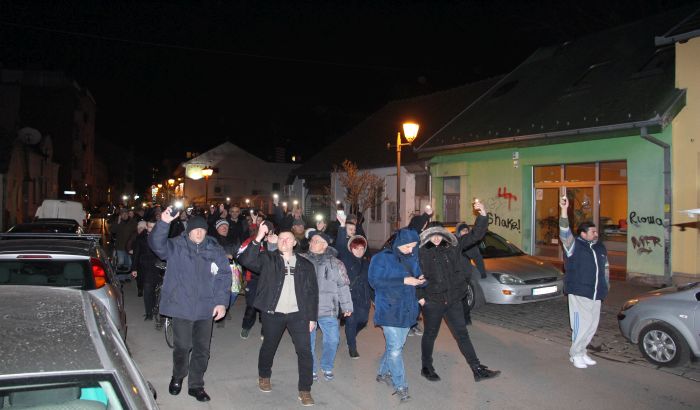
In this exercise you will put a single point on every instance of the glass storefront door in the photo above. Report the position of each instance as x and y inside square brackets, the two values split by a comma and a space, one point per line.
[597, 192]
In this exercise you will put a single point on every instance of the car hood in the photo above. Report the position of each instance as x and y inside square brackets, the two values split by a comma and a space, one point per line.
[671, 292]
[525, 267]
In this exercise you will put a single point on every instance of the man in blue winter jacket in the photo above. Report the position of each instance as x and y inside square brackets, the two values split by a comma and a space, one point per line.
[586, 283]
[196, 289]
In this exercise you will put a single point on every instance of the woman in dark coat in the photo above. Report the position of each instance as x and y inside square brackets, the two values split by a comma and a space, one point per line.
[357, 267]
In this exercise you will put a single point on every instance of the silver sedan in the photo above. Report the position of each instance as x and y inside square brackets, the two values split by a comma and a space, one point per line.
[512, 276]
[664, 323]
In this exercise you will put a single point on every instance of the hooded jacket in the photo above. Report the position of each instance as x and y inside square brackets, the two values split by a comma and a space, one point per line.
[198, 276]
[395, 303]
[445, 270]
[333, 283]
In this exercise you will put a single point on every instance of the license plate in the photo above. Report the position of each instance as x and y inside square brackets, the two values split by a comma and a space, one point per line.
[544, 291]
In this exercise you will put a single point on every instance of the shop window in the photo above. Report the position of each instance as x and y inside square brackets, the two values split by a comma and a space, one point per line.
[613, 171]
[579, 172]
[548, 174]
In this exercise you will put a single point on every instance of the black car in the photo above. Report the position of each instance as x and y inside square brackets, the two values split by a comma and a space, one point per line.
[48, 225]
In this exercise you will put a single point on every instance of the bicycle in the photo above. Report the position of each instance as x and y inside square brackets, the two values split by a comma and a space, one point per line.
[162, 322]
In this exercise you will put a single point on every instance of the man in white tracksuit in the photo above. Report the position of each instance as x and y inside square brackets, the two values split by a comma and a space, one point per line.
[586, 283]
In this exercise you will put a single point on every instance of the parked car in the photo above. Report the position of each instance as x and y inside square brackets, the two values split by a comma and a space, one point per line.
[48, 225]
[59, 349]
[664, 323]
[63, 260]
[512, 277]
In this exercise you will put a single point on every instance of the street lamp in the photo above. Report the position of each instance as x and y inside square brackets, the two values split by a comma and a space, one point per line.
[206, 173]
[410, 131]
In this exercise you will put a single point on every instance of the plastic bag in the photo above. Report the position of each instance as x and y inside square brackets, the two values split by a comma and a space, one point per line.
[236, 277]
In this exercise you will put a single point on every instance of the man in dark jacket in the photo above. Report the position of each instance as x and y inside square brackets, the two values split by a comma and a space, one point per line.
[146, 266]
[446, 275]
[287, 295]
[196, 287]
[586, 283]
[470, 255]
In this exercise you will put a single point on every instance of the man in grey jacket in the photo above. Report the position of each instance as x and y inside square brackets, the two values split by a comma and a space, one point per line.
[334, 289]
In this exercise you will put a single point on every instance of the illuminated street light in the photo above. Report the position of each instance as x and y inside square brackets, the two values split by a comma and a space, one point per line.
[207, 172]
[410, 131]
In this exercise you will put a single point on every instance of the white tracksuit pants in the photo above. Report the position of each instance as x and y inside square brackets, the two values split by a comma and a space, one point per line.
[584, 315]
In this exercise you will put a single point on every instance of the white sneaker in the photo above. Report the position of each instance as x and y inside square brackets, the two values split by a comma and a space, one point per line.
[589, 362]
[578, 362]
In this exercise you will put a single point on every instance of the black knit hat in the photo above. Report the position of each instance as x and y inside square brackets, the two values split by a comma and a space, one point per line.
[196, 222]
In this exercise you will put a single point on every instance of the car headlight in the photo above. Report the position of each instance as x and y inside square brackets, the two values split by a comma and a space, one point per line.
[507, 279]
[629, 304]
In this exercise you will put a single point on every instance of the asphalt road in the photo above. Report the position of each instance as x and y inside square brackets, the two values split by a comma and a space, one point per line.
[536, 373]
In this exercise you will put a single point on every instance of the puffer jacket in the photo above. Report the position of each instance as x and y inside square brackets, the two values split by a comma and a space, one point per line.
[198, 276]
[358, 273]
[333, 283]
[443, 266]
[144, 261]
[395, 303]
[270, 265]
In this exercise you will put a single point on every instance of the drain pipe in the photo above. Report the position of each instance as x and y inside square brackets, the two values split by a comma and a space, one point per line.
[668, 199]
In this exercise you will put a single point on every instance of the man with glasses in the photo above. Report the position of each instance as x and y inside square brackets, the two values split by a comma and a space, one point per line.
[287, 296]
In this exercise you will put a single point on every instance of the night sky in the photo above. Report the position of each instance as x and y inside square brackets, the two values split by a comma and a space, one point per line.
[175, 76]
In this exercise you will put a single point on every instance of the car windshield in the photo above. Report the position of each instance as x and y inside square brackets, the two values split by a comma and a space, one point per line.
[93, 391]
[47, 272]
[495, 246]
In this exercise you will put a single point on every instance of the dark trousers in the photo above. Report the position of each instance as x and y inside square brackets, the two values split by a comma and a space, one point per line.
[191, 353]
[273, 327]
[250, 312]
[467, 311]
[353, 324]
[149, 296]
[433, 313]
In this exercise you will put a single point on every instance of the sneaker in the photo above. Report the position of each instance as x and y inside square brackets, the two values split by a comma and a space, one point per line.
[418, 329]
[353, 353]
[245, 333]
[588, 360]
[430, 374]
[314, 375]
[264, 384]
[328, 375]
[384, 378]
[403, 394]
[482, 372]
[306, 399]
[578, 362]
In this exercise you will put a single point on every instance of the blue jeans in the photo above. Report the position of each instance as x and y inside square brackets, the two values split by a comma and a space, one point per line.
[331, 338]
[392, 359]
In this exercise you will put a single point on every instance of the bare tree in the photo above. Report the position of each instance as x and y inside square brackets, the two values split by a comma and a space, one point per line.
[362, 188]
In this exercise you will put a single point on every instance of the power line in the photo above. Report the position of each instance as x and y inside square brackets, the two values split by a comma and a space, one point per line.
[203, 50]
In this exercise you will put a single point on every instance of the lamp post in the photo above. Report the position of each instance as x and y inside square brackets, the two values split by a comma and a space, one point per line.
[206, 172]
[410, 131]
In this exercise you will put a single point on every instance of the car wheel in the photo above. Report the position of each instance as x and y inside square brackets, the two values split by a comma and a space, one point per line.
[475, 297]
[662, 345]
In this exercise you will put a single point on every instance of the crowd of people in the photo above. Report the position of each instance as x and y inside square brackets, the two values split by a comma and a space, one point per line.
[309, 279]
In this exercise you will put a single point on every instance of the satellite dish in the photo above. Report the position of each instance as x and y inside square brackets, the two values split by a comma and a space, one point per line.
[29, 136]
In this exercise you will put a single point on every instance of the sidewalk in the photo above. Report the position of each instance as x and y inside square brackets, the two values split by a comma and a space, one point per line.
[549, 320]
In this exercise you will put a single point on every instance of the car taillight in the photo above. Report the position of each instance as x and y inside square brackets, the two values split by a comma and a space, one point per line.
[98, 272]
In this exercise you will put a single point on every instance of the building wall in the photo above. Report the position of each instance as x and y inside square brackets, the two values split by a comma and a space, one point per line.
[486, 173]
[686, 163]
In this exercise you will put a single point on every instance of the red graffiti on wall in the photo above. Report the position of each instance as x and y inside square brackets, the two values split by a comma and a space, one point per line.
[503, 193]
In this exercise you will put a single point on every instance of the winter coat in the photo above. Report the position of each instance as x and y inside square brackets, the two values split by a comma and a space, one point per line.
[587, 270]
[395, 303]
[145, 262]
[123, 231]
[443, 266]
[333, 283]
[198, 276]
[270, 265]
[358, 274]
[227, 243]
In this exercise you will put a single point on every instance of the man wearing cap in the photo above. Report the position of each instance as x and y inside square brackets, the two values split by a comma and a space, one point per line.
[196, 287]
[334, 289]
[226, 241]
